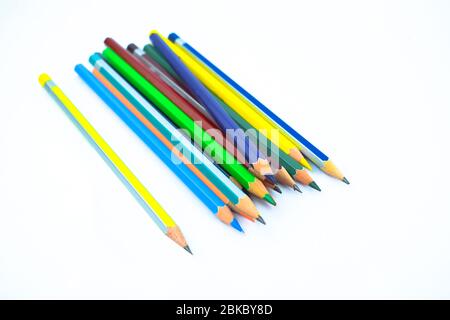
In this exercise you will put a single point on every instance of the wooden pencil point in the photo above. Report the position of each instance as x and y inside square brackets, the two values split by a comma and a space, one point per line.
[284, 177]
[235, 224]
[260, 219]
[246, 207]
[303, 177]
[305, 163]
[277, 189]
[270, 178]
[176, 235]
[314, 186]
[262, 166]
[258, 188]
[225, 215]
[330, 169]
[295, 154]
[269, 199]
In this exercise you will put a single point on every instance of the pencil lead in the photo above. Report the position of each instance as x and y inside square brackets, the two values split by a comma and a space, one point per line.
[305, 163]
[277, 189]
[344, 179]
[269, 199]
[270, 178]
[260, 219]
[296, 188]
[188, 249]
[314, 186]
[235, 224]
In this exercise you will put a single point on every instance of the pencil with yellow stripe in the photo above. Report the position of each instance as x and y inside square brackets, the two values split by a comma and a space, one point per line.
[156, 212]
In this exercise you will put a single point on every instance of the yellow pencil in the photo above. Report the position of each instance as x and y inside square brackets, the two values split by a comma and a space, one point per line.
[152, 207]
[237, 103]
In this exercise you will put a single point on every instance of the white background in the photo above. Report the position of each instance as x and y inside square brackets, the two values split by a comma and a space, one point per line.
[367, 81]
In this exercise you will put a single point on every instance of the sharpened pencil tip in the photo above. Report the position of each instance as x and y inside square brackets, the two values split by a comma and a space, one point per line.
[260, 219]
[235, 224]
[314, 186]
[270, 178]
[277, 189]
[269, 199]
[188, 249]
[344, 179]
[296, 188]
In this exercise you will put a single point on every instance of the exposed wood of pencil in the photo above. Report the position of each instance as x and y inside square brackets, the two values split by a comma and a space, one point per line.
[284, 178]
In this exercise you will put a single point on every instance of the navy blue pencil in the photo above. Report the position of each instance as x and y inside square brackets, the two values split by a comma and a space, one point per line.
[258, 161]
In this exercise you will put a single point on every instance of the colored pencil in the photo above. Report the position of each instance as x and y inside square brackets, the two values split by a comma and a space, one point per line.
[257, 160]
[151, 92]
[235, 101]
[198, 113]
[214, 204]
[166, 133]
[156, 212]
[312, 152]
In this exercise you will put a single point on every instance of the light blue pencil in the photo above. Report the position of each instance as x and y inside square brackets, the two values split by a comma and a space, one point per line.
[214, 204]
[156, 212]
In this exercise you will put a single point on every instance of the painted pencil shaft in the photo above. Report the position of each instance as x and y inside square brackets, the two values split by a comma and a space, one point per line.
[226, 123]
[156, 212]
[214, 204]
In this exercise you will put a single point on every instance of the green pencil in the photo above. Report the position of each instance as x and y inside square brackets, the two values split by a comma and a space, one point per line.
[176, 115]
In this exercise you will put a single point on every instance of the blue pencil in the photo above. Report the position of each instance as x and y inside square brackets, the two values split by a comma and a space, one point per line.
[214, 204]
[311, 151]
[244, 144]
